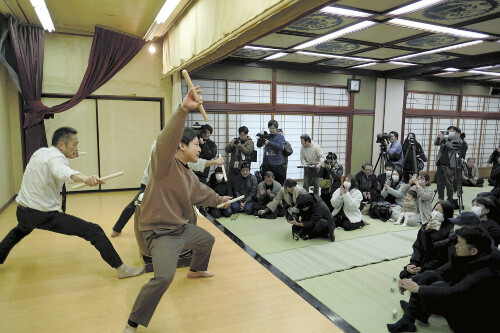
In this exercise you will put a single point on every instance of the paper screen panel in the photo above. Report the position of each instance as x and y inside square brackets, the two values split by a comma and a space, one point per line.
[213, 90]
[332, 96]
[330, 132]
[247, 92]
[472, 127]
[294, 94]
[421, 127]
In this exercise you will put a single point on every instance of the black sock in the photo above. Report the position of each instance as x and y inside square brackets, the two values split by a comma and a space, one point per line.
[132, 324]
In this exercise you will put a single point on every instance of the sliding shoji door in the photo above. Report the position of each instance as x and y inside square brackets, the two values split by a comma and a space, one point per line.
[330, 132]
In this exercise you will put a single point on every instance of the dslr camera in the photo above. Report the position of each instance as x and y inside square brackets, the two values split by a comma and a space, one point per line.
[412, 141]
[198, 128]
[292, 216]
[261, 138]
[381, 137]
[329, 158]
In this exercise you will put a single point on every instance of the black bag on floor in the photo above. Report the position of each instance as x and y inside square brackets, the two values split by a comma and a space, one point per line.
[381, 210]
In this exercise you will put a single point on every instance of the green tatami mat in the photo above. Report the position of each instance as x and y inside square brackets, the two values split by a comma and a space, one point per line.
[315, 260]
[362, 297]
[268, 236]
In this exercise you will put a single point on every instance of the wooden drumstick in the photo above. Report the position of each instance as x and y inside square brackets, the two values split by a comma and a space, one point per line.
[102, 178]
[231, 201]
[195, 95]
[223, 170]
[82, 153]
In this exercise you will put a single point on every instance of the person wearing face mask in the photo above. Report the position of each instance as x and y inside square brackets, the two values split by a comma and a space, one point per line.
[486, 209]
[426, 255]
[391, 191]
[447, 161]
[345, 202]
[217, 183]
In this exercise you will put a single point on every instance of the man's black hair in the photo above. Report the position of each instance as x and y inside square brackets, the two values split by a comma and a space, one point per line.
[366, 164]
[389, 164]
[63, 134]
[272, 122]
[305, 137]
[425, 176]
[206, 127]
[455, 128]
[243, 129]
[476, 237]
[396, 134]
[304, 200]
[188, 135]
[269, 174]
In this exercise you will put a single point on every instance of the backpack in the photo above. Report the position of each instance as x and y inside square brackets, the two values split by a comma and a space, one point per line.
[380, 210]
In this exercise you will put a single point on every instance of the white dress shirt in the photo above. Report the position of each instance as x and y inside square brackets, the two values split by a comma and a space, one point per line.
[43, 179]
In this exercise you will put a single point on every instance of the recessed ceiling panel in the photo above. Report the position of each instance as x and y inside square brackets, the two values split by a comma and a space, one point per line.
[337, 47]
[429, 58]
[342, 62]
[299, 58]
[491, 26]
[319, 23]
[382, 53]
[252, 54]
[456, 11]
[485, 47]
[383, 67]
[277, 40]
[433, 41]
[383, 33]
[377, 6]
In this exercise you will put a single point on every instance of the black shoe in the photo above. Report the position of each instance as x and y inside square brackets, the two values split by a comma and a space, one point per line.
[295, 236]
[402, 325]
[305, 236]
[419, 317]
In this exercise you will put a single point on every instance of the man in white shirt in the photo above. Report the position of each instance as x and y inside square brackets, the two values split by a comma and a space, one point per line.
[312, 158]
[38, 201]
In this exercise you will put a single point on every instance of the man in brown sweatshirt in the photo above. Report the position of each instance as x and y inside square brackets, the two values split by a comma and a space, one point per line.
[167, 210]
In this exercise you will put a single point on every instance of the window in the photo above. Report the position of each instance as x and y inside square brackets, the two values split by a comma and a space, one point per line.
[246, 92]
[421, 127]
[419, 101]
[473, 130]
[330, 132]
[332, 96]
[294, 94]
[473, 103]
[492, 104]
[213, 90]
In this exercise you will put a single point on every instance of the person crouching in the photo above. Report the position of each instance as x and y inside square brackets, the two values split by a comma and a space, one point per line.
[315, 218]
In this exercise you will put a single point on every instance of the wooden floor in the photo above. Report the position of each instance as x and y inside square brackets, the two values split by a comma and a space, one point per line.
[57, 283]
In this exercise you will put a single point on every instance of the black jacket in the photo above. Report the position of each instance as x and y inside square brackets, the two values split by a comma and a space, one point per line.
[408, 154]
[222, 188]
[318, 212]
[208, 152]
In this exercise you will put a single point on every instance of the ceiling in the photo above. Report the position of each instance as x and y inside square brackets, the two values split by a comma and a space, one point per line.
[375, 45]
[382, 42]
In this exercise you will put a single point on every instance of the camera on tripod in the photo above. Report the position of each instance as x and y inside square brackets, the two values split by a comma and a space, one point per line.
[382, 137]
[262, 137]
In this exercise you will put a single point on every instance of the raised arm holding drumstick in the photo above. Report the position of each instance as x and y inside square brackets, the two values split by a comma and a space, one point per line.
[166, 211]
[38, 201]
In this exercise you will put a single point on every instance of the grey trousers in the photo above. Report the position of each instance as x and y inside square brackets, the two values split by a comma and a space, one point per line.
[311, 179]
[165, 246]
[446, 176]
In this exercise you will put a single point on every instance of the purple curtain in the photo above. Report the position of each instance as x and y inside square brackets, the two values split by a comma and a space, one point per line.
[110, 52]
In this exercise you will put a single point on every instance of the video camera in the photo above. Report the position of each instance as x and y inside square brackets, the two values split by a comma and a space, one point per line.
[292, 216]
[381, 137]
[329, 158]
[198, 128]
[412, 141]
[261, 138]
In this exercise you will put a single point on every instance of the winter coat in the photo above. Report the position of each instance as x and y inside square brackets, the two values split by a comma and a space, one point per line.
[424, 200]
[290, 199]
[240, 154]
[265, 198]
[350, 201]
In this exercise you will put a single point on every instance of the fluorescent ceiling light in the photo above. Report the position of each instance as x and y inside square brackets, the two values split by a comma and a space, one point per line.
[414, 7]
[399, 63]
[312, 54]
[344, 12]
[336, 34]
[437, 29]
[443, 73]
[166, 10]
[276, 56]
[364, 65]
[43, 14]
[260, 48]
[451, 69]
[484, 73]
[443, 49]
[487, 67]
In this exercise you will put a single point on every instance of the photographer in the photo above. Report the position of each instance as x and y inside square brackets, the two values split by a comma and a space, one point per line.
[316, 220]
[284, 202]
[273, 147]
[410, 165]
[208, 150]
[332, 173]
[287, 151]
[447, 160]
[241, 150]
[470, 174]
[395, 150]
[345, 202]
[311, 157]
[493, 160]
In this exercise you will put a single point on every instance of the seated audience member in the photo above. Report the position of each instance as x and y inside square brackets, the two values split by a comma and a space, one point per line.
[424, 199]
[368, 185]
[345, 201]
[285, 200]
[426, 255]
[494, 160]
[486, 209]
[217, 183]
[391, 189]
[382, 178]
[494, 179]
[266, 192]
[332, 173]
[464, 290]
[315, 219]
[409, 208]
[244, 184]
[470, 174]
[241, 149]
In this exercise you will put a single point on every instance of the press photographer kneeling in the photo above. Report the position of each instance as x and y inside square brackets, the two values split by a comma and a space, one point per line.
[315, 218]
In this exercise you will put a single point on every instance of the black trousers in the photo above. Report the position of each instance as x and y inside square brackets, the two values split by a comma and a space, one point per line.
[278, 171]
[315, 229]
[128, 211]
[61, 223]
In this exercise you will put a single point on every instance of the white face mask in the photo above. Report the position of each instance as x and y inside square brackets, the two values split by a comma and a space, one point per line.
[451, 134]
[219, 176]
[395, 178]
[437, 216]
[388, 173]
[347, 184]
[477, 210]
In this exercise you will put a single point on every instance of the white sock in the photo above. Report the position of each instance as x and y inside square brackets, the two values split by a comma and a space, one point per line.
[129, 329]
[124, 271]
